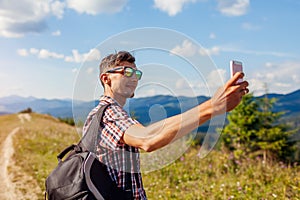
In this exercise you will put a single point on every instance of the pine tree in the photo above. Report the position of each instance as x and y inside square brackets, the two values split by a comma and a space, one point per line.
[254, 130]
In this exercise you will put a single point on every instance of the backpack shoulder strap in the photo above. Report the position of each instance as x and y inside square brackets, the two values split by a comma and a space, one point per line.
[65, 151]
[89, 141]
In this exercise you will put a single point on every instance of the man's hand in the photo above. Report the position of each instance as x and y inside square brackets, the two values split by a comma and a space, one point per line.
[230, 95]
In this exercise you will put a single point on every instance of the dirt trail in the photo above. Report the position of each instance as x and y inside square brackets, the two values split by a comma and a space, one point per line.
[6, 185]
[15, 184]
[24, 117]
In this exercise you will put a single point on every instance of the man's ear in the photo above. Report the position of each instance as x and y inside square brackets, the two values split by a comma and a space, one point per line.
[105, 79]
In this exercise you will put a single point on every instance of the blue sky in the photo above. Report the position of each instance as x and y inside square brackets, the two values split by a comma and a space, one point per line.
[49, 48]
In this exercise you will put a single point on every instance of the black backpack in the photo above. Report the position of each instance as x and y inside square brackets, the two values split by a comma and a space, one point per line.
[80, 175]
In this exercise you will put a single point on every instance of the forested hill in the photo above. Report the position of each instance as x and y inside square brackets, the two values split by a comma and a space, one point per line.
[147, 109]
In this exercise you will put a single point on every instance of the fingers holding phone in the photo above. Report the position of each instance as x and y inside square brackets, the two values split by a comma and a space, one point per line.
[237, 74]
[236, 66]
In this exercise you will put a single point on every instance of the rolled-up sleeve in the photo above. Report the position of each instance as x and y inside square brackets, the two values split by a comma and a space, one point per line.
[116, 122]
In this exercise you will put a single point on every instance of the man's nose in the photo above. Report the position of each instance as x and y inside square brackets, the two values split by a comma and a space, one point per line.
[134, 77]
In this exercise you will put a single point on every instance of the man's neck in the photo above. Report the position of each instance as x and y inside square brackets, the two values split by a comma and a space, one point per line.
[120, 99]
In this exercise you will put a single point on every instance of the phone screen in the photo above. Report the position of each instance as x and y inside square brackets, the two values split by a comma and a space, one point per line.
[236, 66]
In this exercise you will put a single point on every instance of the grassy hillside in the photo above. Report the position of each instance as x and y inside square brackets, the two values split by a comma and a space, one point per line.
[7, 124]
[36, 145]
[217, 176]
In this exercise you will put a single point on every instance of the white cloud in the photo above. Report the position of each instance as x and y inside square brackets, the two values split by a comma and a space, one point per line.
[18, 18]
[33, 51]
[296, 78]
[209, 52]
[268, 64]
[56, 33]
[186, 49]
[90, 70]
[233, 7]
[255, 52]
[57, 8]
[147, 93]
[92, 55]
[94, 7]
[76, 57]
[190, 87]
[172, 7]
[44, 53]
[216, 78]
[181, 84]
[277, 77]
[22, 52]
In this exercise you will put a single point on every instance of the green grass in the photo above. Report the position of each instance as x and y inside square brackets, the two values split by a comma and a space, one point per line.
[38, 143]
[217, 176]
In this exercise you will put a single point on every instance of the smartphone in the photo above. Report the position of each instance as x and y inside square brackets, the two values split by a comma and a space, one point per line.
[236, 66]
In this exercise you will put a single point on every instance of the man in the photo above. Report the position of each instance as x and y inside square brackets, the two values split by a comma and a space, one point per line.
[122, 137]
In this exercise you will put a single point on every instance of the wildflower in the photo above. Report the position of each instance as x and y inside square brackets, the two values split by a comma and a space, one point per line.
[282, 165]
[221, 187]
[238, 184]
[238, 162]
[274, 195]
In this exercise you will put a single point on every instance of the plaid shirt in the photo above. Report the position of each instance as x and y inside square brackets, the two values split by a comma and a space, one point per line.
[118, 156]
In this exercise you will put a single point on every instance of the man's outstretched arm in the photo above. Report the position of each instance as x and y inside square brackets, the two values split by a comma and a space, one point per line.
[163, 132]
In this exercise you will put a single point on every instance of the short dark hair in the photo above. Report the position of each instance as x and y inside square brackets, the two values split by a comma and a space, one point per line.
[114, 60]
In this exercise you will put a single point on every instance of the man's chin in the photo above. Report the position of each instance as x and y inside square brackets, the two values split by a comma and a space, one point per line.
[128, 95]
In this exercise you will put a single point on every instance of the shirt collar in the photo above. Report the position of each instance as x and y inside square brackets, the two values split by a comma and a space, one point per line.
[109, 99]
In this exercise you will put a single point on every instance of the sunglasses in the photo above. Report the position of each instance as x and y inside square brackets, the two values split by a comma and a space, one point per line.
[127, 71]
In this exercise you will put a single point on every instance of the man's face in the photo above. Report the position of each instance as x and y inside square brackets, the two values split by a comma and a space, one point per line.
[122, 85]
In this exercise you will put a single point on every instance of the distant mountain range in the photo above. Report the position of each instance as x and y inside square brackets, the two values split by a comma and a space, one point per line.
[146, 110]
[55, 107]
